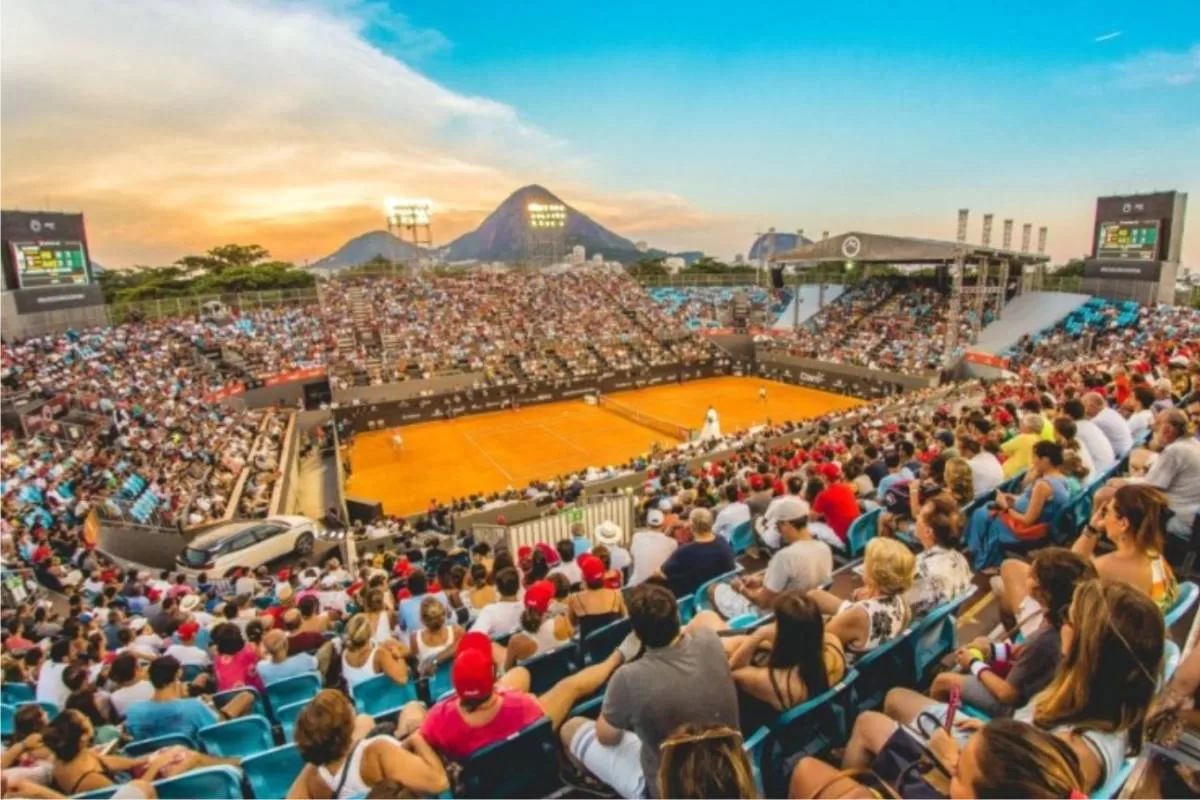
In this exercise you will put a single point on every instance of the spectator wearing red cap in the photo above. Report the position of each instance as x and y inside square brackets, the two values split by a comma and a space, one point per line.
[540, 631]
[484, 710]
[595, 605]
[185, 651]
[835, 505]
[760, 495]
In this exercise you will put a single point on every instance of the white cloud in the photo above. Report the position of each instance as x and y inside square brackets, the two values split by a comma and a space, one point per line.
[1107, 37]
[1161, 68]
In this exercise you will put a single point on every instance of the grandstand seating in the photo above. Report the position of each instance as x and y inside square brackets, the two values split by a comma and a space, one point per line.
[381, 697]
[490, 771]
[141, 747]
[236, 738]
[271, 773]
[292, 690]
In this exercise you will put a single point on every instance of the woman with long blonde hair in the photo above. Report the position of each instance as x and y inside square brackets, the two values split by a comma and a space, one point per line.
[879, 611]
[697, 762]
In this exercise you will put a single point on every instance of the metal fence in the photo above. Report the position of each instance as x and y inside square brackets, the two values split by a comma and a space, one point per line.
[621, 509]
[744, 279]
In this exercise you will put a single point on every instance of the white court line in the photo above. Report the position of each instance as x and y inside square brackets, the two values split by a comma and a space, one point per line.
[485, 454]
[563, 439]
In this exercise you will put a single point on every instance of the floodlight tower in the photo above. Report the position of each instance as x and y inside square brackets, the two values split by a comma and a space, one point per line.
[546, 243]
[409, 221]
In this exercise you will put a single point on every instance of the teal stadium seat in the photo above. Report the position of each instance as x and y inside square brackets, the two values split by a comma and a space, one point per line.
[271, 773]
[862, 530]
[296, 689]
[742, 537]
[547, 669]
[237, 738]
[601, 643]
[381, 697]
[143, 746]
[1188, 593]
[213, 783]
[286, 717]
[523, 765]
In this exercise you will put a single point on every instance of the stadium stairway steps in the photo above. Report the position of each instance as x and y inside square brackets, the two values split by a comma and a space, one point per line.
[808, 298]
[514, 364]
[599, 356]
[1027, 313]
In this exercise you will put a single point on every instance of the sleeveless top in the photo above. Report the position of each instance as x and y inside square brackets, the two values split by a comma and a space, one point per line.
[888, 617]
[356, 675]
[382, 632]
[590, 623]
[429, 652]
[1110, 747]
[349, 777]
[1060, 495]
[544, 639]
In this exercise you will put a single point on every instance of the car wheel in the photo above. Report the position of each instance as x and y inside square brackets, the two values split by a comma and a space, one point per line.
[304, 544]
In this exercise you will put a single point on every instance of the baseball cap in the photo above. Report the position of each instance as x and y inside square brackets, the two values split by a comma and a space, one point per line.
[756, 482]
[538, 596]
[784, 509]
[654, 518]
[474, 673]
[475, 640]
[188, 630]
[830, 470]
[591, 567]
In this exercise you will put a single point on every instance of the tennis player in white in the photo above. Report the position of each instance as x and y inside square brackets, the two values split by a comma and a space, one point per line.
[712, 425]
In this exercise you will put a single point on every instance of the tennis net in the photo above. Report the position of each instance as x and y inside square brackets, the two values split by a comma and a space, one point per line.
[645, 420]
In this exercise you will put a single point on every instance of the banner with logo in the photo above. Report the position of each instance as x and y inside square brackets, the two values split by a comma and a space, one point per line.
[986, 359]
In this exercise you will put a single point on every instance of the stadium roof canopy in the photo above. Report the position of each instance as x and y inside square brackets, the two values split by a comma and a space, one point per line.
[882, 249]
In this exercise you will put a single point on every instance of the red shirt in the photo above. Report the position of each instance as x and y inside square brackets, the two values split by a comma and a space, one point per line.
[839, 505]
[448, 733]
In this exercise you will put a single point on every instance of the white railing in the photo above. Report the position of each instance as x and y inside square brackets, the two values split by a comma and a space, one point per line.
[620, 509]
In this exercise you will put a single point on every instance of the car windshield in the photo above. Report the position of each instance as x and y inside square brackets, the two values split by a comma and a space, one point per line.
[195, 557]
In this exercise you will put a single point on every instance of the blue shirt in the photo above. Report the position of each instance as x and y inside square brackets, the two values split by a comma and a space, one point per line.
[890, 479]
[149, 719]
[410, 610]
[270, 672]
[582, 545]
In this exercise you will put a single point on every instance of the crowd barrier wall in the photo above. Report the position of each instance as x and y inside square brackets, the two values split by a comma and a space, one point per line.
[285, 496]
[861, 382]
[620, 509]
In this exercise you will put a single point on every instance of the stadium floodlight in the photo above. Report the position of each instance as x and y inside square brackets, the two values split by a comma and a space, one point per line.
[407, 213]
[547, 215]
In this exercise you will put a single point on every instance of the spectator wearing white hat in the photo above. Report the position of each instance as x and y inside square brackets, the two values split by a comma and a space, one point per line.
[804, 563]
[608, 533]
[650, 547]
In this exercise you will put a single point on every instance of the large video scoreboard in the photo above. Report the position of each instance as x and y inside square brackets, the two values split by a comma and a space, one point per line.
[1136, 240]
[49, 263]
[44, 250]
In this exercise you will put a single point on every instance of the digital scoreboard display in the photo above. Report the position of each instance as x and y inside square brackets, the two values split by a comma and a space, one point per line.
[50, 263]
[1137, 241]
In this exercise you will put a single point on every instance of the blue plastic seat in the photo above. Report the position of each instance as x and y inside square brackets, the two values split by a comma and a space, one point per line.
[14, 693]
[687, 608]
[143, 746]
[193, 671]
[381, 697]
[8, 721]
[743, 621]
[701, 601]
[98, 794]
[742, 537]
[547, 669]
[1188, 593]
[296, 689]
[271, 773]
[523, 765]
[1171, 656]
[601, 643]
[935, 635]
[439, 684]
[259, 707]
[862, 530]
[237, 738]
[1111, 787]
[807, 729]
[214, 783]
[286, 717]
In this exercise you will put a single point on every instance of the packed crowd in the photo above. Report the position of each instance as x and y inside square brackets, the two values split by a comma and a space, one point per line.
[926, 497]
[712, 306]
[142, 440]
[881, 325]
[509, 326]
[137, 655]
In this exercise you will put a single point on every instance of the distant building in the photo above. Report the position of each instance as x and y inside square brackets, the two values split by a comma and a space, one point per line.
[578, 255]
[674, 264]
[597, 259]
[772, 243]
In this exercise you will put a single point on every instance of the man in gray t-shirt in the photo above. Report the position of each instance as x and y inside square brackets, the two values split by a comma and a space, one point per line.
[804, 563]
[681, 678]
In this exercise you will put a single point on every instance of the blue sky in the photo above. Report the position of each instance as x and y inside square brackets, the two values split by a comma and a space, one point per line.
[176, 125]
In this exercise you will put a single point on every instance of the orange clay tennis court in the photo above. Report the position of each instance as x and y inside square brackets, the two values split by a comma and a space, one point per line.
[490, 452]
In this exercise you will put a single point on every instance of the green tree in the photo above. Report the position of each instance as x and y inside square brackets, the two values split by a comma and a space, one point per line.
[224, 257]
